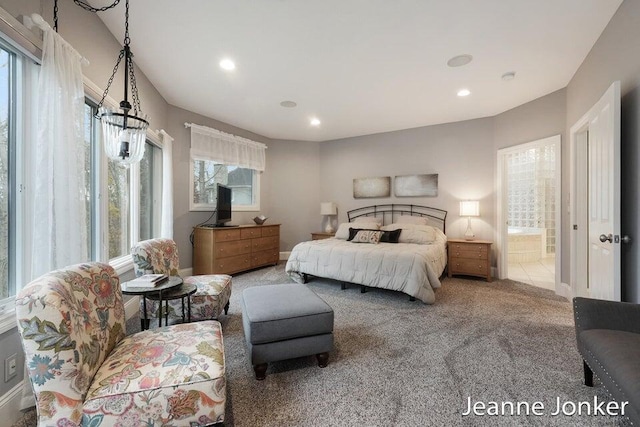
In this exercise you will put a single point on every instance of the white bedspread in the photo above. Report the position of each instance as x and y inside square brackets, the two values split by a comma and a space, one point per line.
[406, 267]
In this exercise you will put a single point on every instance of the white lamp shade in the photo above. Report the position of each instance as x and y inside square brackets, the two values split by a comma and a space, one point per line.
[470, 208]
[328, 208]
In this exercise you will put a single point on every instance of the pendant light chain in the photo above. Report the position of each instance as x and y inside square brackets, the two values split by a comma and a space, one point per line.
[55, 16]
[87, 6]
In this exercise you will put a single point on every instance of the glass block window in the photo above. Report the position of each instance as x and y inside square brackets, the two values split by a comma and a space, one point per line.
[531, 191]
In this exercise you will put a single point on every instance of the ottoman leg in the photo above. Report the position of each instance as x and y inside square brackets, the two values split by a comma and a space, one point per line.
[226, 308]
[260, 371]
[323, 359]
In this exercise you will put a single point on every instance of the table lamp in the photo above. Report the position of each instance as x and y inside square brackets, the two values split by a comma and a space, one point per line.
[469, 208]
[328, 209]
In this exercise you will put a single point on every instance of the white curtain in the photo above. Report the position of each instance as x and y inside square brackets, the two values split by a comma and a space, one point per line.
[59, 193]
[220, 147]
[166, 219]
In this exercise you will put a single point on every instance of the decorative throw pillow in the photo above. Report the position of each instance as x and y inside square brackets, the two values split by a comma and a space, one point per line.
[367, 236]
[391, 236]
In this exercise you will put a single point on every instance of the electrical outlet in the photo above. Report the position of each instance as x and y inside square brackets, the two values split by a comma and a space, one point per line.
[10, 367]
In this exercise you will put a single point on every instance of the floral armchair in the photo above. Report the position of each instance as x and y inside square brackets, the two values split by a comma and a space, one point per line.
[160, 256]
[84, 371]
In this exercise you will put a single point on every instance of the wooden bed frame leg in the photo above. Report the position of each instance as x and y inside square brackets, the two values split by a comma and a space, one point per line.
[412, 298]
[588, 374]
[363, 289]
[343, 286]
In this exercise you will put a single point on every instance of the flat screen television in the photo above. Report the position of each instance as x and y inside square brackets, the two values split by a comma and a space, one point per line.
[223, 205]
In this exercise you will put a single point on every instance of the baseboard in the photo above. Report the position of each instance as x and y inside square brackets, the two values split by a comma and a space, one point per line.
[565, 291]
[285, 255]
[11, 404]
[131, 308]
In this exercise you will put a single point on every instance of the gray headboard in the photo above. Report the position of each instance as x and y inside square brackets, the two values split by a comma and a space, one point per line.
[388, 213]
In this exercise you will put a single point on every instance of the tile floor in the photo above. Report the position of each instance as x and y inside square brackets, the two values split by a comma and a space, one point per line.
[539, 273]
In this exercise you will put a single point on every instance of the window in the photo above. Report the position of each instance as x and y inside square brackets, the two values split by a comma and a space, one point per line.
[5, 172]
[243, 182]
[150, 185]
[118, 190]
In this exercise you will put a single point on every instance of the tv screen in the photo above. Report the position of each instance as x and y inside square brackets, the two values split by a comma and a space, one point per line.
[223, 206]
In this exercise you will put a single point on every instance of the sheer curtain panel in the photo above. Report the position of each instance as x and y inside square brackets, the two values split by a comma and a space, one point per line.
[220, 147]
[166, 219]
[58, 193]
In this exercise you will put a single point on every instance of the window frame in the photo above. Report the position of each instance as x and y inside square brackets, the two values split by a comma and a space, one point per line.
[199, 207]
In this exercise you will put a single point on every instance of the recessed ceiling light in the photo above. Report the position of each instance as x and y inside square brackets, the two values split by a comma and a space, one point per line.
[509, 76]
[464, 92]
[227, 64]
[288, 104]
[314, 122]
[459, 61]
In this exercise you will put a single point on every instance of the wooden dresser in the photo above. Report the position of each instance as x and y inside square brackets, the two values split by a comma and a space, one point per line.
[230, 250]
[470, 258]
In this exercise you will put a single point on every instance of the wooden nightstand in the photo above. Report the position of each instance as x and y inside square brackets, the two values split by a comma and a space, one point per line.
[470, 258]
[321, 235]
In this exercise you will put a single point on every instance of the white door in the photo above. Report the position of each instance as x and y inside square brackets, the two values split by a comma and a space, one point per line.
[602, 127]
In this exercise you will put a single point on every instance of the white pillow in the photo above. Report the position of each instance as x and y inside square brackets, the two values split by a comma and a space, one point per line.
[413, 233]
[343, 229]
[368, 219]
[408, 219]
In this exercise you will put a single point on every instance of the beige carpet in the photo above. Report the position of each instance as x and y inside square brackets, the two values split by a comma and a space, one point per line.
[403, 363]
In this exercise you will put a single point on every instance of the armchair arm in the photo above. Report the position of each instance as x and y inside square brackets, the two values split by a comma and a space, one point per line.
[600, 314]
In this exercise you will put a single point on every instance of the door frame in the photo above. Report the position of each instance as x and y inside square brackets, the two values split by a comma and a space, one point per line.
[502, 228]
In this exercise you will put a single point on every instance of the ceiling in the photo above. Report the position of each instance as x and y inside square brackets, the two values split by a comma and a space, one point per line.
[359, 66]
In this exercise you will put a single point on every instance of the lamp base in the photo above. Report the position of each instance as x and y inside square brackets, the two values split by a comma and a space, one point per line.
[468, 235]
[329, 228]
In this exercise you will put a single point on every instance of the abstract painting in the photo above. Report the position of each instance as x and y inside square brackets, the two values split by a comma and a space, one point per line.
[416, 185]
[364, 188]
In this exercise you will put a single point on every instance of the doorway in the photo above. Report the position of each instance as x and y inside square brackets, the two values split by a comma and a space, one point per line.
[529, 178]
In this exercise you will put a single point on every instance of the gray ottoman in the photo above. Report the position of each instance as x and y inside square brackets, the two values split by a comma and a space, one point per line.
[283, 322]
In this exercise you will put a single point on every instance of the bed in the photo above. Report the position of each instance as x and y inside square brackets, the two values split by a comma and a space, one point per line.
[412, 266]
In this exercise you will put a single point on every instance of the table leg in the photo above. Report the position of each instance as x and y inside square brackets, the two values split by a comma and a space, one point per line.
[189, 308]
[183, 308]
[143, 320]
[160, 310]
[166, 313]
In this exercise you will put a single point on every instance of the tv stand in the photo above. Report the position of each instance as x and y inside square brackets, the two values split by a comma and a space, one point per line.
[225, 226]
[232, 249]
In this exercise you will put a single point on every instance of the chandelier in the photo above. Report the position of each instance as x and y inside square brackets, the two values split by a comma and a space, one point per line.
[124, 130]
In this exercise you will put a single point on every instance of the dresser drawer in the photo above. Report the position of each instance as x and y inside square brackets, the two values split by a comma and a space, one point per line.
[264, 243]
[250, 233]
[468, 266]
[232, 264]
[471, 254]
[273, 230]
[265, 257]
[470, 247]
[236, 247]
[227, 235]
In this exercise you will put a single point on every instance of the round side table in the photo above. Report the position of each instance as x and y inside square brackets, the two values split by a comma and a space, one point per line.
[179, 292]
[145, 293]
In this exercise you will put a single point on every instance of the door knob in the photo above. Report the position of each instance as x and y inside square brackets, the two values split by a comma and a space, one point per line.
[626, 239]
[604, 238]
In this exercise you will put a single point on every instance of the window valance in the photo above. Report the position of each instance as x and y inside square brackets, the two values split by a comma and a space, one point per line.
[214, 145]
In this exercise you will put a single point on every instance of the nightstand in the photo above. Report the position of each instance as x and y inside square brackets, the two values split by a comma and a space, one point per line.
[321, 235]
[470, 258]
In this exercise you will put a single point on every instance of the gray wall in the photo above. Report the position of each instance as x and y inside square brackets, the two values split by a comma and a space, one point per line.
[460, 153]
[615, 57]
